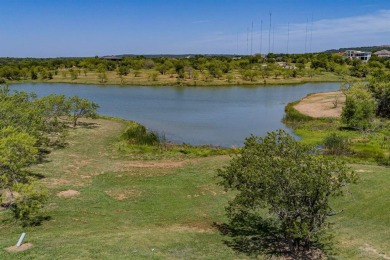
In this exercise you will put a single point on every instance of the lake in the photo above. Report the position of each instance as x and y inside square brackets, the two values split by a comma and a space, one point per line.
[221, 116]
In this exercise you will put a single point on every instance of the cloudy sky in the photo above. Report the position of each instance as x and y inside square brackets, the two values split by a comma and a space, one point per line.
[43, 28]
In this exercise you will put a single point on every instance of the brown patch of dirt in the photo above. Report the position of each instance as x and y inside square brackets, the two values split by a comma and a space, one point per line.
[369, 249]
[123, 194]
[22, 247]
[322, 104]
[55, 182]
[68, 193]
[361, 170]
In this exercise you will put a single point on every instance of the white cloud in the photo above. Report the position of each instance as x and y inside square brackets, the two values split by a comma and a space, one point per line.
[365, 30]
[369, 29]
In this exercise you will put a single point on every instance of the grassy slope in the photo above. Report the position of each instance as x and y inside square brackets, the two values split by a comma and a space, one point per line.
[164, 209]
[144, 80]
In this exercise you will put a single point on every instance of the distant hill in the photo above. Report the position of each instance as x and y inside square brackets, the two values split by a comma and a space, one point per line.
[367, 48]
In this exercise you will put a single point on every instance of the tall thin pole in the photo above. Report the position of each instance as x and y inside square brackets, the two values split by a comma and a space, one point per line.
[307, 22]
[247, 40]
[261, 35]
[269, 33]
[252, 38]
[311, 31]
[288, 35]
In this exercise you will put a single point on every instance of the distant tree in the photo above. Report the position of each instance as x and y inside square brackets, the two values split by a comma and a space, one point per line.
[24, 73]
[249, 75]
[122, 70]
[34, 74]
[277, 177]
[73, 74]
[64, 73]
[153, 75]
[80, 107]
[379, 86]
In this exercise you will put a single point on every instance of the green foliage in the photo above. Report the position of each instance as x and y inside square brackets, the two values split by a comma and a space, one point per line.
[80, 107]
[249, 75]
[25, 197]
[336, 144]
[29, 201]
[379, 85]
[359, 109]
[138, 134]
[289, 180]
[294, 116]
[27, 125]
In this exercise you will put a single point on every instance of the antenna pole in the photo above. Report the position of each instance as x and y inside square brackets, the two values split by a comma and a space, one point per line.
[261, 35]
[307, 22]
[288, 35]
[311, 31]
[251, 37]
[247, 40]
[269, 33]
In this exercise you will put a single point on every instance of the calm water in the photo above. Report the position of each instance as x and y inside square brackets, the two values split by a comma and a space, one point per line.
[221, 116]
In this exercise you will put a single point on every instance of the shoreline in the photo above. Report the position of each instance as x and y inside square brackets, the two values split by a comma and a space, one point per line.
[167, 84]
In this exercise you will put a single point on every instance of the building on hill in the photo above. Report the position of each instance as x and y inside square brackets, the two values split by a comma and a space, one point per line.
[383, 54]
[360, 55]
[112, 58]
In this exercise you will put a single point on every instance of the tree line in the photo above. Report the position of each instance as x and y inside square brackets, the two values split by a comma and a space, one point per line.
[250, 68]
[29, 128]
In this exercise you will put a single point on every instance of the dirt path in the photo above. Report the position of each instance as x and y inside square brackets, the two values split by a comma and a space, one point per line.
[322, 104]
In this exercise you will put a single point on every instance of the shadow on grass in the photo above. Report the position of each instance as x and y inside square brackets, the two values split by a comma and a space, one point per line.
[255, 236]
[36, 221]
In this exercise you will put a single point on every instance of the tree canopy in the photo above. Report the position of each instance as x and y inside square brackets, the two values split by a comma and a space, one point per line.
[279, 178]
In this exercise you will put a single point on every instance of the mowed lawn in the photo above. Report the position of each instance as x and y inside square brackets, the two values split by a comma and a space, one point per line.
[165, 209]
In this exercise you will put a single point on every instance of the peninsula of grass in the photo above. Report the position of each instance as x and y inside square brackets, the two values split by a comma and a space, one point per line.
[109, 201]
[317, 116]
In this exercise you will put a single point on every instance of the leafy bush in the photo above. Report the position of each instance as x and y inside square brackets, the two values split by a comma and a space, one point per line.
[138, 134]
[293, 115]
[336, 144]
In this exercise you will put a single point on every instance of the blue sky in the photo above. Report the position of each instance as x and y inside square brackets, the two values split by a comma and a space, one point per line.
[54, 28]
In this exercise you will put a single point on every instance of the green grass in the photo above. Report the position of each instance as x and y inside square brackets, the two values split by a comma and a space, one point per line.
[169, 80]
[365, 147]
[152, 207]
[364, 224]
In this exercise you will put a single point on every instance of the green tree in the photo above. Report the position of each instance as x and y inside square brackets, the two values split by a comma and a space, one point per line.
[359, 109]
[379, 86]
[20, 192]
[81, 107]
[73, 74]
[279, 175]
[122, 70]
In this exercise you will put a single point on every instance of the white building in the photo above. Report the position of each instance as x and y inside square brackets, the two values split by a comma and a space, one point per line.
[361, 55]
[383, 54]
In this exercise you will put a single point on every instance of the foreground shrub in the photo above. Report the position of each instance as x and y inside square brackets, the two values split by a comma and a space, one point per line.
[335, 144]
[138, 134]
